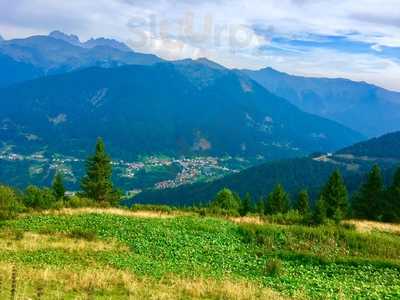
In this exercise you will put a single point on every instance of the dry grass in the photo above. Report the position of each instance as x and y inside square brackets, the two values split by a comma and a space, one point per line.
[115, 211]
[58, 283]
[248, 220]
[368, 226]
[32, 242]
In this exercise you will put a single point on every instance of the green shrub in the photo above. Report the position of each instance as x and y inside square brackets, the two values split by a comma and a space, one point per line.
[78, 202]
[273, 267]
[10, 204]
[225, 203]
[37, 198]
[290, 218]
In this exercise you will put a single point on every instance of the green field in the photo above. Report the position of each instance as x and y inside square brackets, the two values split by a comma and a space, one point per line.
[112, 254]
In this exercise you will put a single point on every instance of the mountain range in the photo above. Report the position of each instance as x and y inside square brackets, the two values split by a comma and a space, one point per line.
[58, 53]
[365, 108]
[58, 94]
[181, 108]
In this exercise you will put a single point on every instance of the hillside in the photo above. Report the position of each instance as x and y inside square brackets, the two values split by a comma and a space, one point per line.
[174, 109]
[386, 146]
[295, 174]
[357, 105]
[103, 254]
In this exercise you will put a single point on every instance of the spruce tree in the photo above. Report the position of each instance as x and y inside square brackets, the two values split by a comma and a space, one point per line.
[303, 203]
[278, 201]
[369, 202]
[335, 196]
[58, 186]
[245, 205]
[319, 215]
[260, 206]
[97, 184]
[391, 211]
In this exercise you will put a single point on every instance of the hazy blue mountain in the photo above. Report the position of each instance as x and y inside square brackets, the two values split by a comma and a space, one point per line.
[92, 43]
[60, 53]
[363, 107]
[182, 108]
[294, 174]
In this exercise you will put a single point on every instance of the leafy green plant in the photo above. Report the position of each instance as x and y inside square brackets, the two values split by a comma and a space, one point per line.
[274, 267]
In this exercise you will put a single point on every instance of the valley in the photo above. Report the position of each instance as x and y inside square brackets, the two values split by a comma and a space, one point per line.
[148, 172]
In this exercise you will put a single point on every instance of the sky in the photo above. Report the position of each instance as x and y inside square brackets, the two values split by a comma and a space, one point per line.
[355, 39]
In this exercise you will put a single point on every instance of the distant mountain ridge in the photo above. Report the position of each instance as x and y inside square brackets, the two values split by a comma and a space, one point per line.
[183, 108]
[59, 53]
[363, 107]
[92, 43]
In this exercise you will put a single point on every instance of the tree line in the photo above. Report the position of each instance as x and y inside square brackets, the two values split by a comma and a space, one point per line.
[373, 201]
[96, 187]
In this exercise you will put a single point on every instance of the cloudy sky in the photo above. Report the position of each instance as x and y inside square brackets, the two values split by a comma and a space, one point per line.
[357, 39]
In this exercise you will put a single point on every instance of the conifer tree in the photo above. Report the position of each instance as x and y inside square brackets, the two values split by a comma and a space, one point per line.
[97, 184]
[278, 201]
[335, 196]
[392, 200]
[245, 206]
[369, 202]
[319, 216]
[260, 206]
[303, 202]
[58, 186]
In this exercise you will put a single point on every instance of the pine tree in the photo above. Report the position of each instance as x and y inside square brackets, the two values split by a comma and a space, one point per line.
[335, 196]
[369, 202]
[391, 211]
[319, 216]
[245, 205]
[58, 187]
[278, 201]
[97, 184]
[303, 203]
[260, 206]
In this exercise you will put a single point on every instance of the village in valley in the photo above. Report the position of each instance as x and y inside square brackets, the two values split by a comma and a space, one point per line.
[165, 172]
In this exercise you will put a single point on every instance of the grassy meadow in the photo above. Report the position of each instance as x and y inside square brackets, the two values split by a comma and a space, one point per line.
[124, 254]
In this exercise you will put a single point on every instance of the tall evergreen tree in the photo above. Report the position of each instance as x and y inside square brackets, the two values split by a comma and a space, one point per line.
[391, 211]
[245, 205]
[319, 215]
[97, 184]
[278, 201]
[303, 202]
[58, 186]
[260, 206]
[369, 202]
[335, 196]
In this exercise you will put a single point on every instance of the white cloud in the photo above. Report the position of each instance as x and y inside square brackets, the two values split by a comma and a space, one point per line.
[232, 32]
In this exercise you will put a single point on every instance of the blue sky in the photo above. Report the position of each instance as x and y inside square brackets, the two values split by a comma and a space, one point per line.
[356, 39]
